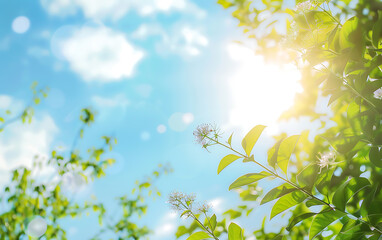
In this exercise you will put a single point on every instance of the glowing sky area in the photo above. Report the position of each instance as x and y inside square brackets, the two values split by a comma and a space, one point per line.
[260, 91]
[153, 71]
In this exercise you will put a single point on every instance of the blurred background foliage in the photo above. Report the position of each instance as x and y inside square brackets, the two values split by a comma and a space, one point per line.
[37, 200]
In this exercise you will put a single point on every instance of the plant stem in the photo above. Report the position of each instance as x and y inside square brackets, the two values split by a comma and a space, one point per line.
[294, 184]
[209, 222]
[331, 16]
[353, 89]
[200, 223]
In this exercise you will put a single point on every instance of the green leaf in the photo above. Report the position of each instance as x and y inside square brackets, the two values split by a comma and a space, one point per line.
[272, 154]
[249, 159]
[185, 212]
[377, 30]
[279, 237]
[232, 213]
[199, 235]
[213, 222]
[313, 202]
[230, 139]
[352, 229]
[277, 192]
[308, 176]
[227, 160]
[251, 138]
[286, 202]
[248, 179]
[348, 190]
[225, 3]
[335, 95]
[235, 232]
[347, 32]
[322, 220]
[323, 181]
[37, 101]
[285, 151]
[375, 156]
[298, 219]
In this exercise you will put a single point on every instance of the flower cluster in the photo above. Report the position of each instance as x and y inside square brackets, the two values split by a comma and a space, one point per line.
[304, 6]
[181, 202]
[204, 207]
[184, 203]
[207, 134]
[326, 160]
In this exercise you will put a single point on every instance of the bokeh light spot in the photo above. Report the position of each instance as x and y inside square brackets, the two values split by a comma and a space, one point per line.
[188, 118]
[20, 24]
[161, 128]
[37, 227]
[145, 136]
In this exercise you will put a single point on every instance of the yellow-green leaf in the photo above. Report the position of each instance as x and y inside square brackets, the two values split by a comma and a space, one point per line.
[286, 202]
[285, 151]
[251, 138]
[227, 160]
[248, 179]
[235, 232]
[230, 139]
[199, 236]
[213, 222]
[277, 192]
[322, 220]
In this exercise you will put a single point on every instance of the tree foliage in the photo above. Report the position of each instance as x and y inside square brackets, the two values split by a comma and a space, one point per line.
[37, 200]
[331, 185]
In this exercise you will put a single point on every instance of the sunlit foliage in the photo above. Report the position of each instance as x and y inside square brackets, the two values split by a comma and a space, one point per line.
[331, 185]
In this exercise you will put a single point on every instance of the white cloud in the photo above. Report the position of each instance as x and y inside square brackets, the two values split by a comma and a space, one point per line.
[147, 30]
[99, 54]
[59, 7]
[216, 204]
[183, 40]
[9, 103]
[20, 143]
[167, 226]
[118, 100]
[116, 9]
[152, 6]
[5, 102]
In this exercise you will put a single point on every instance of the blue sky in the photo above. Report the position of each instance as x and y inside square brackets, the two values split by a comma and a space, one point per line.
[153, 70]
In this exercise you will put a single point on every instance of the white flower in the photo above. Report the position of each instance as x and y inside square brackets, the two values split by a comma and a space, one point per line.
[378, 93]
[304, 6]
[180, 201]
[326, 160]
[202, 132]
[204, 207]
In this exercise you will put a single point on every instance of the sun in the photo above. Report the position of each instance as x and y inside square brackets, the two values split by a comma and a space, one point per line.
[260, 92]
